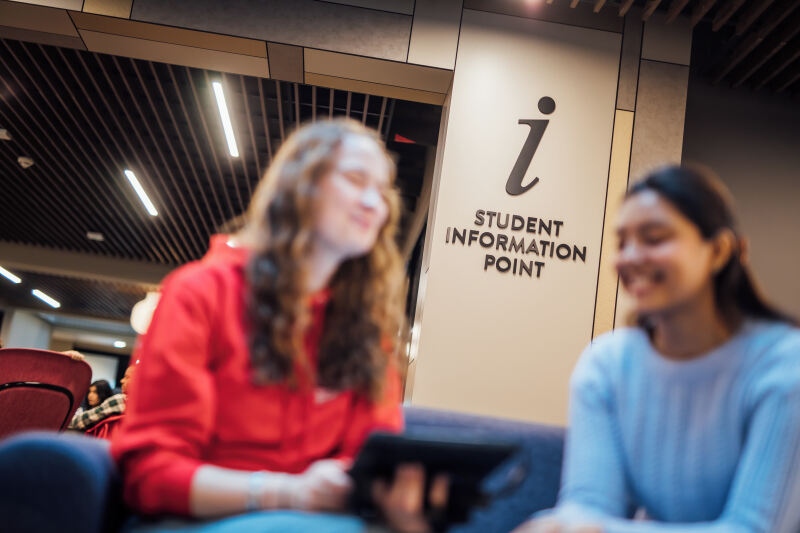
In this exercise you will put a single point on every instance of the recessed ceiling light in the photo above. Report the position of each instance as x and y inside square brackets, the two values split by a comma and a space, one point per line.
[9, 276]
[46, 299]
[226, 119]
[140, 191]
[120, 344]
[24, 161]
[95, 236]
[4, 135]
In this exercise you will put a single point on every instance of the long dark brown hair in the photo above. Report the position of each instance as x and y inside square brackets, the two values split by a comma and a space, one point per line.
[363, 314]
[703, 199]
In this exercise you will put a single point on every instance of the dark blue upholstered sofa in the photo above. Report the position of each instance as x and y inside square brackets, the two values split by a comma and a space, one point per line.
[59, 482]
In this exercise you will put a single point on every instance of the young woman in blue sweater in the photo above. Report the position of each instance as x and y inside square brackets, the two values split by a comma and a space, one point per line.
[693, 416]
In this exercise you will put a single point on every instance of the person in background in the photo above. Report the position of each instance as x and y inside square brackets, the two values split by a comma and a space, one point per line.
[112, 406]
[99, 391]
[693, 416]
[269, 362]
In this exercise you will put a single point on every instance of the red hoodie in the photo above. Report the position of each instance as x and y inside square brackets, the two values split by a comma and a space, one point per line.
[192, 401]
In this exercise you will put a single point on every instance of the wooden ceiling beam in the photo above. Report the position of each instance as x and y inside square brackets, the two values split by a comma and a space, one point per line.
[675, 9]
[771, 46]
[752, 13]
[746, 47]
[725, 13]
[598, 5]
[624, 7]
[700, 11]
[650, 8]
[781, 63]
[81, 265]
[789, 79]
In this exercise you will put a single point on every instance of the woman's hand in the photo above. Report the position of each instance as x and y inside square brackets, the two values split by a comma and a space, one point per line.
[553, 525]
[403, 503]
[325, 486]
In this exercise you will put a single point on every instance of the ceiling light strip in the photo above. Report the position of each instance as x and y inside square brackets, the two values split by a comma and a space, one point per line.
[140, 191]
[226, 118]
[46, 299]
[9, 276]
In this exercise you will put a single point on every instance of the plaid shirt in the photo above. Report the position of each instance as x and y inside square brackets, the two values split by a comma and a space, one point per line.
[83, 420]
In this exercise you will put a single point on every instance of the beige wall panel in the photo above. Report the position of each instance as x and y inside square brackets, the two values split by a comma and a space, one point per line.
[285, 62]
[617, 185]
[441, 142]
[657, 134]
[660, 112]
[559, 11]
[112, 8]
[667, 42]
[310, 23]
[377, 71]
[409, 388]
[378, 89]
[629, 62]
[63, 4]
[81, 265]
[434, 33]
[406, 7]
[53, 39]
[503, 344]
[175, 54]
[166, 34]
[36, 18]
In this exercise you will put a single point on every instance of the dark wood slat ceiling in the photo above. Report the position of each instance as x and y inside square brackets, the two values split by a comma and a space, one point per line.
[756, 43]
[79, 296]
[86, 117]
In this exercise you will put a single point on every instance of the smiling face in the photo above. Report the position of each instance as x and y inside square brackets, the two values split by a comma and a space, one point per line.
[351, 203]
[663, 260]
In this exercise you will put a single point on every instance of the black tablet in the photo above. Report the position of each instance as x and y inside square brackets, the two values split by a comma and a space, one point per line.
[466, 462]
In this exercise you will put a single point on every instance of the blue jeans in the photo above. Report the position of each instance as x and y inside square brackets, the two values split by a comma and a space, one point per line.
[258, 522]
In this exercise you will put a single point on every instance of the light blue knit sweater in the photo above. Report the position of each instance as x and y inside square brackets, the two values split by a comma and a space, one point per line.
[707, 445]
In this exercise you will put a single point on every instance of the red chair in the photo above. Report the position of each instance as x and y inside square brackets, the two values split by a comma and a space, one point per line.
[39, 389]
[106, 428]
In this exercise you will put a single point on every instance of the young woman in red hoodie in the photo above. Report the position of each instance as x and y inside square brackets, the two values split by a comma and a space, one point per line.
[266, 365]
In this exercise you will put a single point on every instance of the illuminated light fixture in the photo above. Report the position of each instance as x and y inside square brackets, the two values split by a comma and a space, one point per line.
[226, 119]
[9, 276]
[120, 344]
[140, 191]
[46, 299]
[95, 236]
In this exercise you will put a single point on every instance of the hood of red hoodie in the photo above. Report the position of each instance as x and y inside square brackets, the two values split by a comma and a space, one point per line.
[219, 250]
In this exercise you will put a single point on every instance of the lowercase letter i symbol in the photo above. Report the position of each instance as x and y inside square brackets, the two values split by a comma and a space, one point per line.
[514, 185]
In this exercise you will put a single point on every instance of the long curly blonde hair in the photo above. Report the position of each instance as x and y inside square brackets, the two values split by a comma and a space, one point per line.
[364, 314]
